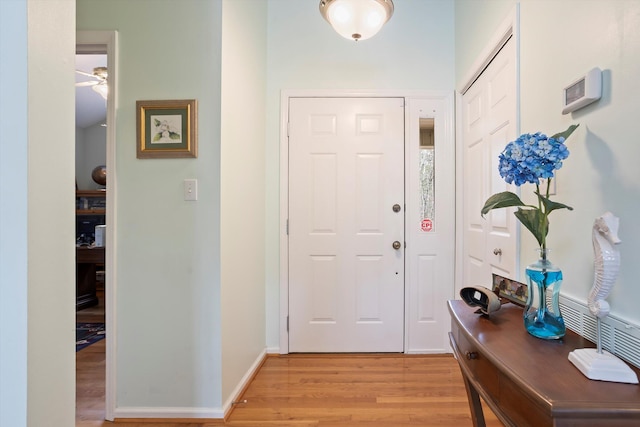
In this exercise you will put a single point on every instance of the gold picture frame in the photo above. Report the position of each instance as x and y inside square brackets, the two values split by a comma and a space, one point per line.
[167, 129]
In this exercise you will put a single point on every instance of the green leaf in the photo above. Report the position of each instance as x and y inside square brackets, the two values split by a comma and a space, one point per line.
[535, 222]
[550, 205]
[506, 199]
[566, 133]
[173, 135]
[156, 122]
[157, 137]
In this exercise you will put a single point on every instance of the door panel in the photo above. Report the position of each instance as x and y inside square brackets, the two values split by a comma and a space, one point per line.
[346, 171]
[430, 230]
[489, 123]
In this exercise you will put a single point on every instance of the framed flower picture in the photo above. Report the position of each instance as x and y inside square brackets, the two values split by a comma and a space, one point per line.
[510, 290]
[167, 129]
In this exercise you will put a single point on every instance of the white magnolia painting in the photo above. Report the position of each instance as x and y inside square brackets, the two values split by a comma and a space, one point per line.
[167, 129]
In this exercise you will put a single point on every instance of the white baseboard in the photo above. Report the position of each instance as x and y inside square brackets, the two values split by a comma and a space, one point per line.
[244, 382]
[167, 412]
[195, 413]
[440, 351]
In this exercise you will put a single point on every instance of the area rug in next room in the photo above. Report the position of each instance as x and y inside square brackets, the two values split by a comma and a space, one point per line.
[88, 333]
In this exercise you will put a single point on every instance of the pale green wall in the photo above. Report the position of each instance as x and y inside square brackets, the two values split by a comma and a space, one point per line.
[601, 173]
[476, 22]
[414, 50]
[168, 250]
[14, 305]
[242, 187]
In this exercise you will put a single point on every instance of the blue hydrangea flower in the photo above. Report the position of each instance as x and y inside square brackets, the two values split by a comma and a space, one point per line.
[532, 157]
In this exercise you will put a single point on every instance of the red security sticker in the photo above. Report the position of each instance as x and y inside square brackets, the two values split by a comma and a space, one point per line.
[427, 225]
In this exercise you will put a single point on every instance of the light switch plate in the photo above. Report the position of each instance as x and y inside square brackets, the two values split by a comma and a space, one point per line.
[191, 189]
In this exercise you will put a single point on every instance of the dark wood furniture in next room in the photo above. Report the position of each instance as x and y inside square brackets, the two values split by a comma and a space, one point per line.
[90, 211]
[527, 381]
[87, 258]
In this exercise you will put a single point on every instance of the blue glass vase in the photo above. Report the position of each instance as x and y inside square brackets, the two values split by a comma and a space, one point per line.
[542, 316]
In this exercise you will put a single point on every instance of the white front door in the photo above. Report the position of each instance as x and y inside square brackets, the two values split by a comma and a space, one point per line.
[346, 173]
[489, 123]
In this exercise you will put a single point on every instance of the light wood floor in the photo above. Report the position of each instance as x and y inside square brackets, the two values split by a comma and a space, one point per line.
[311, 391]
[90, 371]
[319, 391]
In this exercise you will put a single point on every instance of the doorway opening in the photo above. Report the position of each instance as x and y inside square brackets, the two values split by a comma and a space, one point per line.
[96, 210]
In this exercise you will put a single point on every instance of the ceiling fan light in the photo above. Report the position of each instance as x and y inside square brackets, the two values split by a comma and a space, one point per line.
[356, 19]
[102, 89]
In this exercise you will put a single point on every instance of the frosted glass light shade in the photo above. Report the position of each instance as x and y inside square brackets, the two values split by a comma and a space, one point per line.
[356, 19]
[102, 89]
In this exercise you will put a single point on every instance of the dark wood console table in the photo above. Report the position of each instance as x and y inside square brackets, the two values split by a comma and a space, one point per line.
[86, 260]
[527, 381]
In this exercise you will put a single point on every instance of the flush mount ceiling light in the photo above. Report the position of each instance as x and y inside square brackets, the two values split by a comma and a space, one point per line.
[356, 19]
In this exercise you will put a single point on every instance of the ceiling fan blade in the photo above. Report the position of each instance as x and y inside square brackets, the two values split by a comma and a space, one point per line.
[84, 84]
[86, 74]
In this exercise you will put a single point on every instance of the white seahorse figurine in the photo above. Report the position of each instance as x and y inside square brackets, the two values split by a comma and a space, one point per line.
[607, 262]
[595, 363]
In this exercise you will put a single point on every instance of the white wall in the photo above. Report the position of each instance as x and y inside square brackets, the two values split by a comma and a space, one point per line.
[91, 151]
[51, 214]
[168, 356]
[242, 197]
[80, 167]
[414, 50]
[601, 172]
[37, 248]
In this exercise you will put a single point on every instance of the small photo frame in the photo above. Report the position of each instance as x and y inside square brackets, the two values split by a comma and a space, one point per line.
[167, 129]
[510, 290]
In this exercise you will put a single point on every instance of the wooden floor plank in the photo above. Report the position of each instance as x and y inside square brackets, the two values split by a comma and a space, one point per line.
[318, 391]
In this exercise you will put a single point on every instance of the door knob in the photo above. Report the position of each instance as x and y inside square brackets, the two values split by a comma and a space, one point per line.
[397, 245]
[497, 251]
[396, 208]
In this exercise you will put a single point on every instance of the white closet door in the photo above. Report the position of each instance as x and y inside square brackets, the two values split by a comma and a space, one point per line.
[489, 123]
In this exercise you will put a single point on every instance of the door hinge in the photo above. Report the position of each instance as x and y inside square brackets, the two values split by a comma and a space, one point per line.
[287, 323]
[287, 226]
